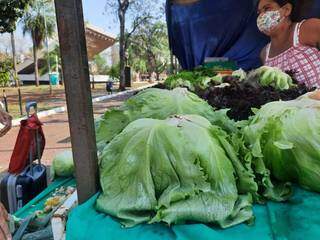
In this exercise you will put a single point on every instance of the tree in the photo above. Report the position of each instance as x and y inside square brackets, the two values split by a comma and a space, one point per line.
[150, 45]
[5, 70]
[139, 11]
[38, 21]
[55, 61]
[100, 64]
[11, 11]
[114, 72]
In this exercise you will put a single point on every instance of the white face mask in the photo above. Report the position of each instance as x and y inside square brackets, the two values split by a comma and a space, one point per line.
[269, 20]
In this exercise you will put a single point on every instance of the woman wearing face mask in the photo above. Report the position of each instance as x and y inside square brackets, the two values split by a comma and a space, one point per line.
[294, 46]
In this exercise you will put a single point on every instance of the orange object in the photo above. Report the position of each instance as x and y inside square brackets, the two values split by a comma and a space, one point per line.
[225, 72]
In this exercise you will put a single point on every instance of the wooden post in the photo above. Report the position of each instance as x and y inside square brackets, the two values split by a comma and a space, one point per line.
[79, 102]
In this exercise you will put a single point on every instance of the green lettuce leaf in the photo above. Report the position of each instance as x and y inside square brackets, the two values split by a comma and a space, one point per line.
[157, 104]
[174, 170]
[285, 138]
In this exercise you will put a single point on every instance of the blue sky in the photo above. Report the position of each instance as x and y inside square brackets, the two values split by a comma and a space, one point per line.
[93, 11]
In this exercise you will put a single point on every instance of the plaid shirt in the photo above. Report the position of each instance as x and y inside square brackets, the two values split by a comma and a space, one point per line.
[301, 59]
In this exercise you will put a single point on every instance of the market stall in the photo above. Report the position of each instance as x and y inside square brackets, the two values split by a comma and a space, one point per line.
[175, 164]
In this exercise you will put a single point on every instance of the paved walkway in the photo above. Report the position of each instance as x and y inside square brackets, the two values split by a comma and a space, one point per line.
[56, 130]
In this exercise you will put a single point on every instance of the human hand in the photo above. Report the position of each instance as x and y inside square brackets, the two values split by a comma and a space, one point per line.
[272, 76]
[6, 120]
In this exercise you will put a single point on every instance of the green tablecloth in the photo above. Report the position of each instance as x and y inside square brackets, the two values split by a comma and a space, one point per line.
[38, 202]
[297, 219]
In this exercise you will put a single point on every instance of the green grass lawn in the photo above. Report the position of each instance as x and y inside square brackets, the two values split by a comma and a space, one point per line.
[42, 96]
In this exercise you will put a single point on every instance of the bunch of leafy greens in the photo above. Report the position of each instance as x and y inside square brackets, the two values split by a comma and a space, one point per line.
[157, 104]
[239, 92]
[241, 96]
[174, 170]
[200, 78]
[285, 137]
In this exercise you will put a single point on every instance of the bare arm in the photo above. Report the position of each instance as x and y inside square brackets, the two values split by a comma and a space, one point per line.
[263, 55]
[310, 32]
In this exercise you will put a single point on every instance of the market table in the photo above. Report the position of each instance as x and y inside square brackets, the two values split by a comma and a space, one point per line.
[299, 218]
[38, 202]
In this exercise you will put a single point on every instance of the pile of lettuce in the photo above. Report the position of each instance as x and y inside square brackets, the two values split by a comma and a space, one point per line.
[285, 136]
[167, 156]
[240, 92]
[157, 104]
[174, 170]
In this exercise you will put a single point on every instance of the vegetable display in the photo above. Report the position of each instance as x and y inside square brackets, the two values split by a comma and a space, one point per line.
[241, 96]
[157, 104]
[241, 92]
[175, 156]
[286, 136]
[200, 78]
[241, 74]
[174, 170]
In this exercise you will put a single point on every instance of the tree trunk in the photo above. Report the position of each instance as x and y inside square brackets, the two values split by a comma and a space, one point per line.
[122, 50]
[14, 60]
[35, 58]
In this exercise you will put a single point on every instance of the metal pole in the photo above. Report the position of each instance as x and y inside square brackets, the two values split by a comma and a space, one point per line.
[75, 67]
[5, 101]
[57, 63]
[92, 74]
[20, 101]
[93, 81]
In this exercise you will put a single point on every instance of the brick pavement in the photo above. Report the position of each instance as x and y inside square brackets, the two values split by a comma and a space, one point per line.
[56, 130]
